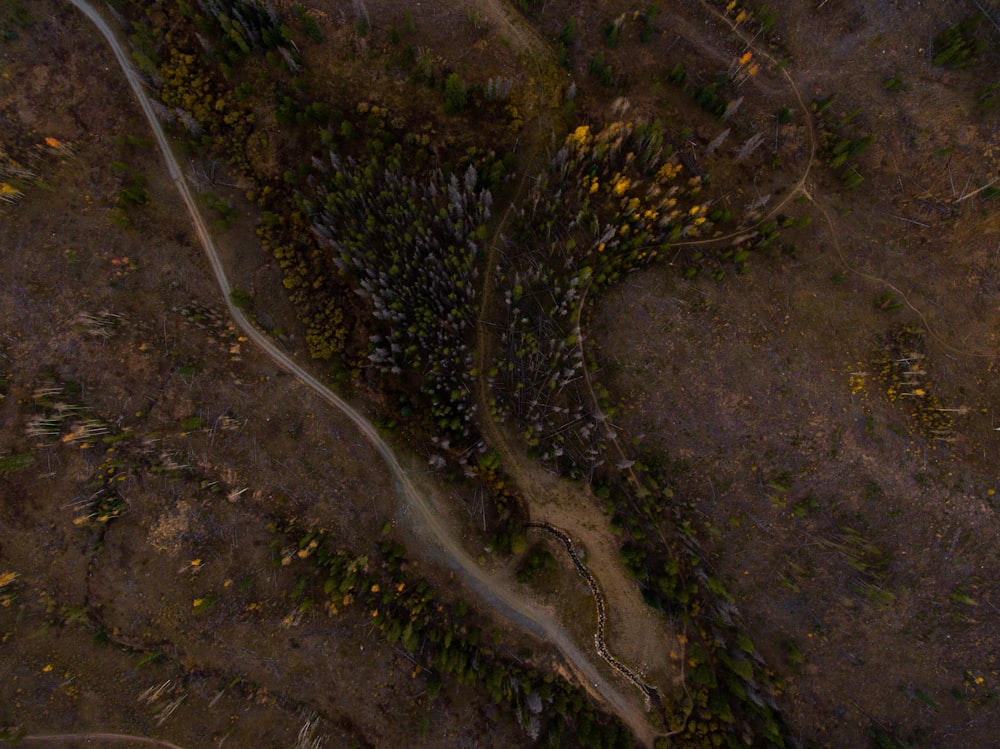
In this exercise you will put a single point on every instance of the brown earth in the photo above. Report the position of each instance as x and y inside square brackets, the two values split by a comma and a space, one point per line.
[222, 635]
[862, 551]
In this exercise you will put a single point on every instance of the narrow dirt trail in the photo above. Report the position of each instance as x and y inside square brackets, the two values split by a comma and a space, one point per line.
[552, 501]
[102, 738]
[801, 188]
[623, 622]
[433, 527]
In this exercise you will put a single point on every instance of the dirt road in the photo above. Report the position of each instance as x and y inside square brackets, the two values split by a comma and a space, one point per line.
[502, 599]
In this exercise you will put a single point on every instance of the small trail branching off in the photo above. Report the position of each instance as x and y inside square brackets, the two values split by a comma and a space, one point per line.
[799, 188]
[537, 140]
[60, 739]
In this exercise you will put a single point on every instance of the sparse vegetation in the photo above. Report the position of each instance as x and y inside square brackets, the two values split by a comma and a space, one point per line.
[535, 562]
[903, 372]
[14, 16]
[15, 462]
[959, 45]
[987, 98]
[141, 445]
[241, 298]
[444, 643]
[455, 99]
[893, 83]
[602, 71]
[841, 140]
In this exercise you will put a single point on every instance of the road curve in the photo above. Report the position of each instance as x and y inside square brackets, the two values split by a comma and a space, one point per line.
[504, 600]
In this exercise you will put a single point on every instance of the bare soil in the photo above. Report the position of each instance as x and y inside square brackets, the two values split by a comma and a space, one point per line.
[862, 551]
[171, 620]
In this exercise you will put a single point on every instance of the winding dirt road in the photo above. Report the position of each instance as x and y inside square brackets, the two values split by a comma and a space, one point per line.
[502, 599]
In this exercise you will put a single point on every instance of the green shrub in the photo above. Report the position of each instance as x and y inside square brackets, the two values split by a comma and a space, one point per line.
[309, 25]
[646, 21]
[987, 98]
[602, 71]
[191, 423]
[134, 194]
[893, 84]
[958, 46]
[529, 7]
[766, 18]
[534, 562]
[568, 34]
[677, 74]
[16, 462]
[611, 32]
[240, 298]
[455, 98]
